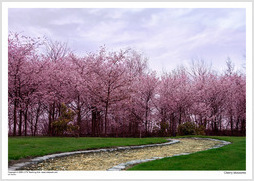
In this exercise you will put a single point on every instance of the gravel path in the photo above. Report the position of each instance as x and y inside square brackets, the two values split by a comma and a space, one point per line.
[106, 160]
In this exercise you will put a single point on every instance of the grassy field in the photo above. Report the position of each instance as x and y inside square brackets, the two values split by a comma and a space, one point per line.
[27, 147]
[229, 157]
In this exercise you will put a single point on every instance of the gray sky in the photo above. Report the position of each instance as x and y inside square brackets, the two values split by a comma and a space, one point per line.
[168, 37]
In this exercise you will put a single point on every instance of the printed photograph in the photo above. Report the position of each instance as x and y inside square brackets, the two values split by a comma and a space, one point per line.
[123, 89]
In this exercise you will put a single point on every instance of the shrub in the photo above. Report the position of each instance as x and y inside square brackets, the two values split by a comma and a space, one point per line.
[163, 131]
[200, 130]
[63, 124]
[190, 128]
[187, 128]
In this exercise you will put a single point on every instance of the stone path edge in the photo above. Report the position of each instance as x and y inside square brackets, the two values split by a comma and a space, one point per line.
[123, 166]
[46, 157]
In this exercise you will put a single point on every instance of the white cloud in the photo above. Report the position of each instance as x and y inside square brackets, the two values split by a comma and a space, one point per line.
[67, 20]
[168, 37]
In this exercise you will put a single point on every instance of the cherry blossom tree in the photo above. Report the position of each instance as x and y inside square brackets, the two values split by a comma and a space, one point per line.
[113, 93]
[23, 82]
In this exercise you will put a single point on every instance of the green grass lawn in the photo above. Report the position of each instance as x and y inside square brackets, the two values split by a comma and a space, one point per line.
[27, 147]
[229, 157]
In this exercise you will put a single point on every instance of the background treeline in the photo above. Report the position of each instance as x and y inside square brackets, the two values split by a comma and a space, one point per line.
[52, 91]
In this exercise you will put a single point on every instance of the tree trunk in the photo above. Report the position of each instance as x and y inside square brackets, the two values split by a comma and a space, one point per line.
[15, 108]
[53, 112]
[200, 120]
[79, 117]
[231, 124]
[180, 116]
[146, 118]
[14, 117]
[205, 122]
[20, 122]
[237, 124]
[50, 120]
[36, 119]
[25, 119]
[220, 122]
[116, 129]
[105, 119]
[106, 110]
[172, 125]
[243, 126]
[93, 121]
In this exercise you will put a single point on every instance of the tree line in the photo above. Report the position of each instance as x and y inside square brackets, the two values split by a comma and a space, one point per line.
[53, 91]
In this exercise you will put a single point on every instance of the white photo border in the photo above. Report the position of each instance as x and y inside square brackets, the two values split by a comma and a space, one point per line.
[123, 174]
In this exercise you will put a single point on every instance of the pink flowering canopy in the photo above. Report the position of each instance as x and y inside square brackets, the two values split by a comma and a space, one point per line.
[113, 93]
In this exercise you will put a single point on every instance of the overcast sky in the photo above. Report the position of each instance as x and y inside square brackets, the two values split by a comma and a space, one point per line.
[168, 37]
